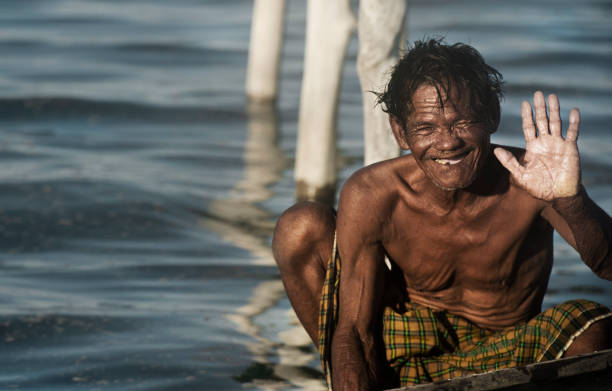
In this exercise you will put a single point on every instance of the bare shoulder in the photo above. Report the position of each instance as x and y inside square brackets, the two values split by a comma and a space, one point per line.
[369, 194]
[376, 183]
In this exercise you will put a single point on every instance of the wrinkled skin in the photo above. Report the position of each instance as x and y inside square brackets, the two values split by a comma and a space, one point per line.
[469, 228]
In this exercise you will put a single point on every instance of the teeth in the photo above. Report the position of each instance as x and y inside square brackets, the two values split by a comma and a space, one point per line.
[448, 161]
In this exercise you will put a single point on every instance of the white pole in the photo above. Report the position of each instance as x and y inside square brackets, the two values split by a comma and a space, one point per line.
[265, 50]
[329, 25]
[381, 31]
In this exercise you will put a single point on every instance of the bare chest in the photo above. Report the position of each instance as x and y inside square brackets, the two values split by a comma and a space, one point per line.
[463, 250]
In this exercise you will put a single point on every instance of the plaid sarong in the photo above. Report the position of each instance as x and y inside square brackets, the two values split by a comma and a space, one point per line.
[328, 311]
[424, 345]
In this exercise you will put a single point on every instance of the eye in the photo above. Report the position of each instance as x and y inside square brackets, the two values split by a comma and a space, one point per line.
[466, 124]
[423, 130]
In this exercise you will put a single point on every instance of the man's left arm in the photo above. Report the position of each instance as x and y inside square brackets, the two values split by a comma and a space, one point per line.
[586, 227]
[550, 171]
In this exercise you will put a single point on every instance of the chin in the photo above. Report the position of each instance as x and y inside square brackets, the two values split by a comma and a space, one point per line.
[452, 186]
[452, 180]
[457, 177]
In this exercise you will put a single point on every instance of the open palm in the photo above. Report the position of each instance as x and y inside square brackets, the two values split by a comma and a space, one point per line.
[550, 168]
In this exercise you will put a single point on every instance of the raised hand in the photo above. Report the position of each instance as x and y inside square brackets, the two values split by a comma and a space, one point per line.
[550, 168]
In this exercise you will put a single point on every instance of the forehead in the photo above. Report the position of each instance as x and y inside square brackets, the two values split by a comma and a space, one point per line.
[428, 99]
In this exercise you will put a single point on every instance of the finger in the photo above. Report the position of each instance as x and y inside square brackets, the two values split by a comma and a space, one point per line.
[529, 129]
[574, 124]
[540, 113]
[508, 160]
[554, 122]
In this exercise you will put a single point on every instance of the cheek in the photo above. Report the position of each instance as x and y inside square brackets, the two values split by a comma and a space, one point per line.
[476, 136]
[418, 145]
[484, 142]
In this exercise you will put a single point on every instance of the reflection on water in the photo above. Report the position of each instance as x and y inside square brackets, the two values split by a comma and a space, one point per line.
[280, 356]
[240, 218]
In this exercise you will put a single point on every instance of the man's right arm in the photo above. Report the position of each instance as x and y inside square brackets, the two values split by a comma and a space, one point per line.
[356, 352]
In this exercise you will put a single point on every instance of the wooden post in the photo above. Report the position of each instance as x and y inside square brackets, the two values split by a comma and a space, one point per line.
[381, 32]
[329, 25]
[265, 50]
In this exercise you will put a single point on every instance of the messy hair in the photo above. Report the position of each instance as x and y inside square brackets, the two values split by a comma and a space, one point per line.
[444, 67]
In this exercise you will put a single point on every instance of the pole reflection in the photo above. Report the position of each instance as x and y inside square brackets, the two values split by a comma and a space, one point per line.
[281, 351]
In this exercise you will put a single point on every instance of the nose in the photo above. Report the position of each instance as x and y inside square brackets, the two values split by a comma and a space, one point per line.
[449, 140]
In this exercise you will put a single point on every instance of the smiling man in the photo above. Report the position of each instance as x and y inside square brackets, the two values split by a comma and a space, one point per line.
[467, 228]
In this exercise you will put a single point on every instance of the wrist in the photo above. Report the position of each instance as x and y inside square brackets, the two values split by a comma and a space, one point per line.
[571, 203]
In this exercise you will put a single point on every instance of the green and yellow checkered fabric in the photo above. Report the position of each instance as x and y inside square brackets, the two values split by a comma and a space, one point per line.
[425, 345]
[328, 311]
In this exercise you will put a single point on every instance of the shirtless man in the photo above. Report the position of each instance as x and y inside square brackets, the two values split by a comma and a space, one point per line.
[467, 227]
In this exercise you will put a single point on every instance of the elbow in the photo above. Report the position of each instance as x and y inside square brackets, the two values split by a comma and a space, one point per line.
[601, 263]
[605, 271]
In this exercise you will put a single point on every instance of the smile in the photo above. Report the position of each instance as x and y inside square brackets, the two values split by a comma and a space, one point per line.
[451, 161]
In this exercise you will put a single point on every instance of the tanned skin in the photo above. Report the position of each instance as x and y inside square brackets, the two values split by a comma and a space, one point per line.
[468, 224]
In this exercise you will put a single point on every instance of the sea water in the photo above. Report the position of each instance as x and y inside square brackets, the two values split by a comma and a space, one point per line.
[139, 191]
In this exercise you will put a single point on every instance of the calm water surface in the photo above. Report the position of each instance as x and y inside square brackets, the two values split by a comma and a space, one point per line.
[138, 190]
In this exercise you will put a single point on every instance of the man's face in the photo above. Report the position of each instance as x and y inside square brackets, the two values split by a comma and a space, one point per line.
[446, 141]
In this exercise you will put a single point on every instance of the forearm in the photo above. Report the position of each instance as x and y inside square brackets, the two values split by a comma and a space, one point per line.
[355, 360]
[591, 228]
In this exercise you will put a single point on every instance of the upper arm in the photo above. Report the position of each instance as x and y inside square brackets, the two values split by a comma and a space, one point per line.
[357, 358]
[359, 226]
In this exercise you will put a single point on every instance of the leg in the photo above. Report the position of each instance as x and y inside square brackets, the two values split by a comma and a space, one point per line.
[597, 337]
[302, 244]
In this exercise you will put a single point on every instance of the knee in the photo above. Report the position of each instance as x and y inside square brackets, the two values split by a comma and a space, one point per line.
[597, 337]
[304, 229]
[602, 331]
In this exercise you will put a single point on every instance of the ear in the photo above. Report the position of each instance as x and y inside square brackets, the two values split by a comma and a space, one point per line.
[399, 132]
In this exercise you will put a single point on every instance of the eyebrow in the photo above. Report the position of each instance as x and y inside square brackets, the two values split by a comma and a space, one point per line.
[423, 123]
[427, 123]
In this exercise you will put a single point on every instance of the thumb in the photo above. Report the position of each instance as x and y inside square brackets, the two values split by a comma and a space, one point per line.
[508, 160]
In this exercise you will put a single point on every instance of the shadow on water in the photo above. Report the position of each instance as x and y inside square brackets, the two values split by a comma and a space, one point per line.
[48, 328]
[61, 213]
[280, 357]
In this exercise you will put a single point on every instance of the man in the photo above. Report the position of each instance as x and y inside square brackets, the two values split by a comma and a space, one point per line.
[467, 227]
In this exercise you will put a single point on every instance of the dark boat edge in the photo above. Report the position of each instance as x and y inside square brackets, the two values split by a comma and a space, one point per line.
[596, 368]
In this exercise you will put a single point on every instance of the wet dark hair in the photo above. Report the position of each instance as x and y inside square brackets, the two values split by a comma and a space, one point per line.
[444, 66]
